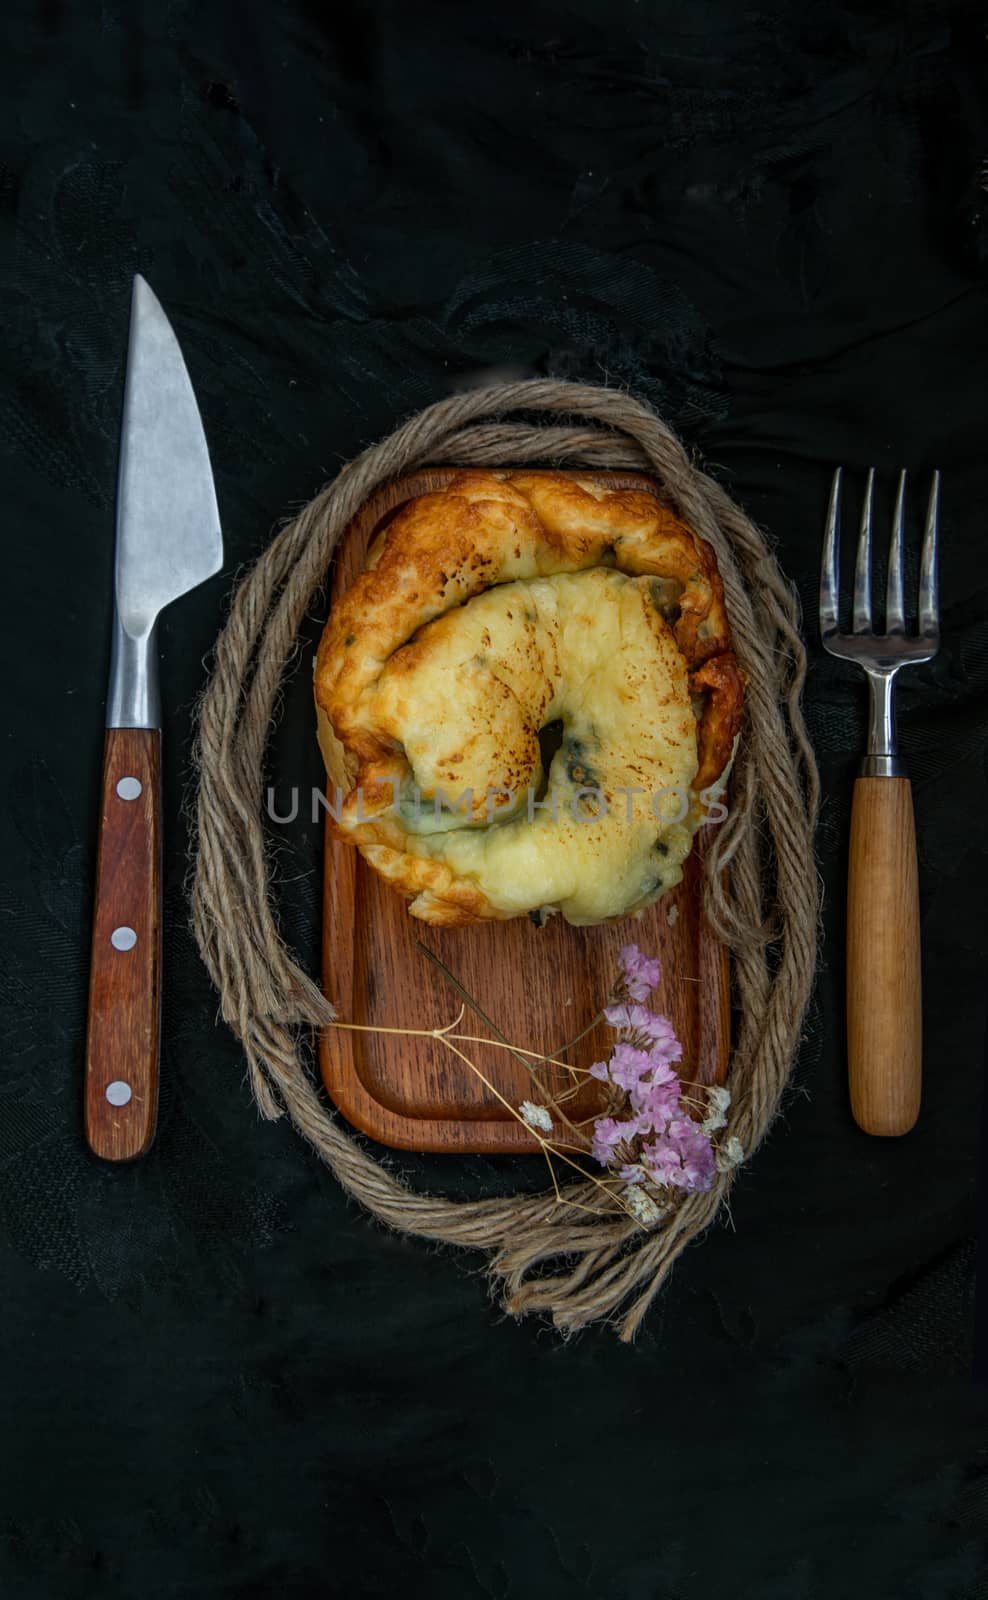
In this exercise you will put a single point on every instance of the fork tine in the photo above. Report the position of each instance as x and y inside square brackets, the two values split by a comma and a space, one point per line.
[861, 620]
[929, 586]
[829, 570]
[895, 613]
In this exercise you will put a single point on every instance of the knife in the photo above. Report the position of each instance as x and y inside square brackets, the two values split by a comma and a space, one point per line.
[168, 541]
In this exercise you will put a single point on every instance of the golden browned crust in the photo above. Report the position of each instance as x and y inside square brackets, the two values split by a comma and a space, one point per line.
[441, 550]
[719, 723]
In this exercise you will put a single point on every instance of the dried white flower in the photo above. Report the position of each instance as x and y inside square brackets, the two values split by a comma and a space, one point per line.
[672, 915]
[641, 1205]
[535, 1116]
[730, 1154]
[719, 1099]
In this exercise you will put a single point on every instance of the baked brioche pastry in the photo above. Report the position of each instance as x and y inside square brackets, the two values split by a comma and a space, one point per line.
[528, 700]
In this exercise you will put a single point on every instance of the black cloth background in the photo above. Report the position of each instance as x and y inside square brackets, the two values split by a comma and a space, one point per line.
[219, 1378]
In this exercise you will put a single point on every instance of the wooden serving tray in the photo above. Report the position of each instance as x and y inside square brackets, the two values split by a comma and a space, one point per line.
[540, 986]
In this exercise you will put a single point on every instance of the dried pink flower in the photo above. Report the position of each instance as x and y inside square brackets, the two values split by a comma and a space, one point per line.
[699, 1163]
[628, 1066]
[619, 1016]
[667, 1146]
[681, 1157]
[651, 1029]
[608, 1131]
[656, 1103]
[640, 972]
[632, 1173]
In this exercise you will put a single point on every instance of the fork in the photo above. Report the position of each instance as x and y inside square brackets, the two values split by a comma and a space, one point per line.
[884, 1005]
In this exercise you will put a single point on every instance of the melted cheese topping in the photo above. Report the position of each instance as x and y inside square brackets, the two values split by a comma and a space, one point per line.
[589, 657]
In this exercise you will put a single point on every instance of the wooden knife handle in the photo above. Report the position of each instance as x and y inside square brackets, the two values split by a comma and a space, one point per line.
[884, 1003]
[123, 1037]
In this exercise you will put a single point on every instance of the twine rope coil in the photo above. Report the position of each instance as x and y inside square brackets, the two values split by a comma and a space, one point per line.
[545, 1256]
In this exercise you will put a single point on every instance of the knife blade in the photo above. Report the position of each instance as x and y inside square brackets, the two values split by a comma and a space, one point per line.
[168, 541]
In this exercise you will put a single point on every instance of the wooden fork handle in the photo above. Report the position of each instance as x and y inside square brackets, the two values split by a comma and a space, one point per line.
[122, 1042]
[884, 1008]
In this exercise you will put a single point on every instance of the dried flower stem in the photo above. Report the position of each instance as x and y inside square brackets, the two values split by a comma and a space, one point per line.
[472, 1003]
[548, 1149]
[646, 1145]
[519, 1055]
[444, 1035]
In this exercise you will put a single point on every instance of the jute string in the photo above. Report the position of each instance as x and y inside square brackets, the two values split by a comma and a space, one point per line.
[544, 1256]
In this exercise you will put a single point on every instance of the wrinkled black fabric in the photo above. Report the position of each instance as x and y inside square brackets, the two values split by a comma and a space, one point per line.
[219, 1378]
